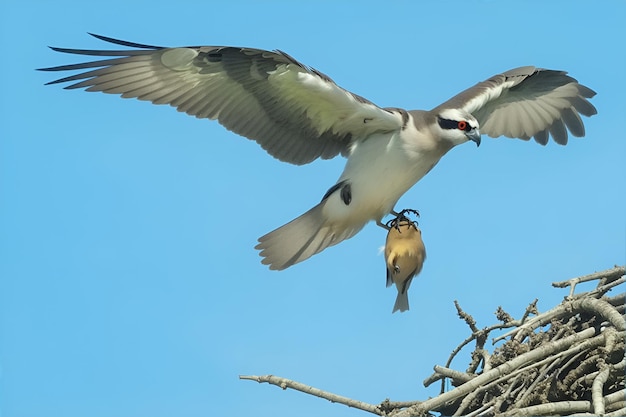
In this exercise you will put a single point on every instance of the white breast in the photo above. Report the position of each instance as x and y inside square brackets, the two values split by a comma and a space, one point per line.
[380, 169]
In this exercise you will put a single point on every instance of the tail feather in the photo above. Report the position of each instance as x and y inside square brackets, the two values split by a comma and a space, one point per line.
[402, 302]
[302, 238]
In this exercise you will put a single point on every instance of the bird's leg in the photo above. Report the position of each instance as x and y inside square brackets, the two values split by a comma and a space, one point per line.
[383, 225]
[393, 222]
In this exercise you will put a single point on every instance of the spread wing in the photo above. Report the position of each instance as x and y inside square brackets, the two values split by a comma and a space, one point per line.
[528, 102]
[296, 113]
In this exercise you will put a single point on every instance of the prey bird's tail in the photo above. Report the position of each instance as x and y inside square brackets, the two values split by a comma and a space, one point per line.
[402, 302]
[302, 238]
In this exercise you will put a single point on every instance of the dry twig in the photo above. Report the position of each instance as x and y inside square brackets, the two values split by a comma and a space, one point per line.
[285, 383]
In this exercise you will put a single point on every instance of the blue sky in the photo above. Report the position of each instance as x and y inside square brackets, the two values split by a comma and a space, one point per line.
[129, 285]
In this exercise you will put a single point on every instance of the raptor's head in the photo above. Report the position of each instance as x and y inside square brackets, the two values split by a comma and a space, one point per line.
[458, 126]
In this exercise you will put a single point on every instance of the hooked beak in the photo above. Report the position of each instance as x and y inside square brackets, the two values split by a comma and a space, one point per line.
[474, 136]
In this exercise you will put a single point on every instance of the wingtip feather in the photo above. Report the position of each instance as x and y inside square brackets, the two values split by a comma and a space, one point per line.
[124, 43]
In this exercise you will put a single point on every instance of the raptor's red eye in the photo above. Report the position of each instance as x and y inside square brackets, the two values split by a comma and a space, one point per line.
[462, 125]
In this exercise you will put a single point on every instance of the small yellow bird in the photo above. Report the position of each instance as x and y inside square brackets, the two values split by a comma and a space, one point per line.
[405, 254]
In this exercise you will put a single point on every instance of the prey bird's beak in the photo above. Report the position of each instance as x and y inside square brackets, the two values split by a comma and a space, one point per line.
[474, 136]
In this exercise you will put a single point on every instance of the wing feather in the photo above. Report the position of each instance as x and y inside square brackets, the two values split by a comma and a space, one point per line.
[542, 137]
[558, 132]
[527, 102]
[574, 123]
[297, 114]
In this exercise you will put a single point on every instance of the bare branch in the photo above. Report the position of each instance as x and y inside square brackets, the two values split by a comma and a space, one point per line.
[596, 390]
[601, 308]
[532, 308]
[608, 275]
[388, 407]
[457, 377]
[285, 383]
[485, 408]
[466, 317]
[617, 413]
[614, 406]
[533, 324]
[551, 409]
[601, 290]
[616, 300]
[617, 396]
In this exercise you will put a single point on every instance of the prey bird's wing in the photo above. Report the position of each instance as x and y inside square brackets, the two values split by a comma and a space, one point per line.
[297, 114]
[527, 102]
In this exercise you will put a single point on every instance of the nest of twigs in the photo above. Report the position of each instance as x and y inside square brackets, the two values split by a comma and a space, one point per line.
[565, 361]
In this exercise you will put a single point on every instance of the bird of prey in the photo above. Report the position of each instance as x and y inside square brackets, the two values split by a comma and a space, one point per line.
[404, 255]
[298, 114]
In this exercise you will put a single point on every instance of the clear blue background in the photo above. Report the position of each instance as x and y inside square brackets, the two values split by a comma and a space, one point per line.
[129, 282]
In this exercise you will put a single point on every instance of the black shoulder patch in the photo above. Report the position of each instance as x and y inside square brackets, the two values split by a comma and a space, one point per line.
[345, 191]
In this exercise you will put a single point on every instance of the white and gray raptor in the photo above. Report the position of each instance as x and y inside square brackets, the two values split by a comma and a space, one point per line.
[298, 114]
